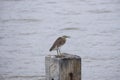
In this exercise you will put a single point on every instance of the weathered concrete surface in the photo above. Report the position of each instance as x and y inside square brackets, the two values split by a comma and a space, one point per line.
[65, 67]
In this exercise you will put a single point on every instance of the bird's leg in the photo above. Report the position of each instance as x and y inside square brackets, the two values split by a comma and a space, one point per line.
[59, 51]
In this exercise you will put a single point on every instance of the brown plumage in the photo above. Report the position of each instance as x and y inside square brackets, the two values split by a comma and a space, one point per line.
[58, 43]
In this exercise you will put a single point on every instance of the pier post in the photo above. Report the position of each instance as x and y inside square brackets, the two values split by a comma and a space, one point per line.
[66, 67]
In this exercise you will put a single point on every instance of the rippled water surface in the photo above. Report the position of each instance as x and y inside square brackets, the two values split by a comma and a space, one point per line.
[28, 28]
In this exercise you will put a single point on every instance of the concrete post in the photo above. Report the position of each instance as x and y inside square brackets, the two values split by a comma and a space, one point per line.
[65, 67]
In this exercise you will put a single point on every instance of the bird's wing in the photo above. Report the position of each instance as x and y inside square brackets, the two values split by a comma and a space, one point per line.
[57, 43]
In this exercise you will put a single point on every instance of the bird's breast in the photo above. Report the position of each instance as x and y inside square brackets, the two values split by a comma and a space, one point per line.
[62, 42]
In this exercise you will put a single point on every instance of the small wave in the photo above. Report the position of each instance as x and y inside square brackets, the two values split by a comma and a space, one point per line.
[99, 11]
[70, 28]
[20, 20]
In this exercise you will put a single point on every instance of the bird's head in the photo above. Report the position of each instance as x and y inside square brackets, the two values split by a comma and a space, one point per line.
[66, 36]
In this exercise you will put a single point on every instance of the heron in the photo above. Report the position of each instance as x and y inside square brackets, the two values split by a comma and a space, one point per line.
[60, 41]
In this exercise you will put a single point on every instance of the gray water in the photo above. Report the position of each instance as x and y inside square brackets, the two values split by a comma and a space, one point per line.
[28, 28]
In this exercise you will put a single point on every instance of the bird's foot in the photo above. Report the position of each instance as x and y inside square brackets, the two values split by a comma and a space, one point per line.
[60, 55]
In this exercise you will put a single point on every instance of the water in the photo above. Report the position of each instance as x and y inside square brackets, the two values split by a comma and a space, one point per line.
[29, 28]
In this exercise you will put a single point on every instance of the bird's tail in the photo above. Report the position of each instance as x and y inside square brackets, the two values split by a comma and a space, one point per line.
[51, 48]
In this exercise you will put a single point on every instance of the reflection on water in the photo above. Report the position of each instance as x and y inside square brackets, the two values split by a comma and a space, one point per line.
[28, 29]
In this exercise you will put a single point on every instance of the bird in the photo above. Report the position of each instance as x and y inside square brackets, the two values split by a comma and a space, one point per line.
[60, 41]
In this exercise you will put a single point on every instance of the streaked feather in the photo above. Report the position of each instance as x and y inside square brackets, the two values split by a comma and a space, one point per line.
[59, 42]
